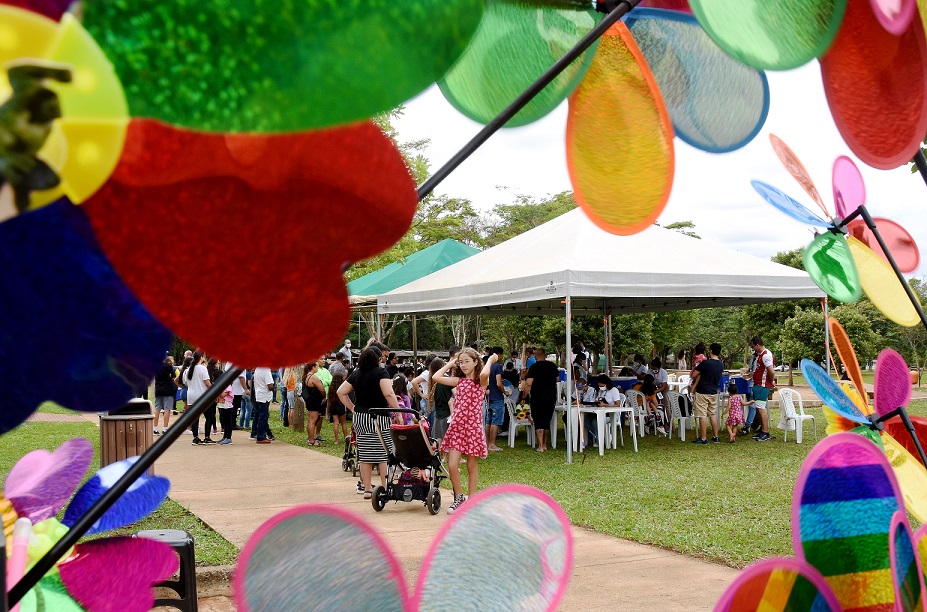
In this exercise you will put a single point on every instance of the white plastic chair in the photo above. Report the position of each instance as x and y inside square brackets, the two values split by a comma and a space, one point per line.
[623, 408]
[515, 423]
[676, 414]
[606, 436]
[787, 399]
[637, 402]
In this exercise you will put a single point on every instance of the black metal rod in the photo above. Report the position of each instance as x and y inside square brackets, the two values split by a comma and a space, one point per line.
[145, 461]
[526, 96]
[3, 605]
[921, 162]
[879, 424]
[891, 260]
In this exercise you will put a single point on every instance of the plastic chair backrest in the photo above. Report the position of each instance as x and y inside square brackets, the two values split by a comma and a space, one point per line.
[684, 378]
[636, 399]
[787, 401]
[675, 409]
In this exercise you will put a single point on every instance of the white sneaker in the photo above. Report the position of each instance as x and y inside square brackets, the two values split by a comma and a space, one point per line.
[661, 431]
[458, 502]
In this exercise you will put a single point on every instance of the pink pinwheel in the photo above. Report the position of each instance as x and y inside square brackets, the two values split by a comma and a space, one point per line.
[536, 549]
[114, 573]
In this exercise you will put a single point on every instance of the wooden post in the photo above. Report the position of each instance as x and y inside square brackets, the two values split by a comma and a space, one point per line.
[414, 344]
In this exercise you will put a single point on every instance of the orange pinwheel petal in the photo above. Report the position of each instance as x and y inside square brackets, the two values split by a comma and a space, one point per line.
[848, 357]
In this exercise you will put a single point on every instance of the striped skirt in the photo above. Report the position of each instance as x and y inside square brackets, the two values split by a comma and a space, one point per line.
[369, 446]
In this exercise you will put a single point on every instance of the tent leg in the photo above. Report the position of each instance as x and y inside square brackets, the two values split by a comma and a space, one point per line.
[414, 343]
[826, 340]
[569, 381]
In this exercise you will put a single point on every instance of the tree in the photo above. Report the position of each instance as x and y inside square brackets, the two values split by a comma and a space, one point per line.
[526, 213]
[724, 326]
[802, 337]
[631, 333]
[671, 331]
[866, 341]
[765, 320]
[686, 228]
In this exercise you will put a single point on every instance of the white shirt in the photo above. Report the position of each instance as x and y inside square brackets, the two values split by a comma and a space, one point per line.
[262, 378]
[641, 369]
[237, 388]
[345, 352]
[424, 386]
[612, 397]
[196, 386]
[659, 378]
[519, 366]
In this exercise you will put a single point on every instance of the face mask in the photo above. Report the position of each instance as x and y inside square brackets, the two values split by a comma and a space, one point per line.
[602, 388]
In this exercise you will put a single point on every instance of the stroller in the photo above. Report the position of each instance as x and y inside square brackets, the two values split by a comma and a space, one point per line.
[415, 471]
[349, 458]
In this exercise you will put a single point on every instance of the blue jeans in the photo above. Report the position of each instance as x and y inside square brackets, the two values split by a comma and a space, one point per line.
[429, 415]
[495, 413]
[260, 429]
[244, 417]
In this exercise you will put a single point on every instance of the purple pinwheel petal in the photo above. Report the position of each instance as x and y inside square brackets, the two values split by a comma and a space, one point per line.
[40, 483]
[892, 382]
[849, 188]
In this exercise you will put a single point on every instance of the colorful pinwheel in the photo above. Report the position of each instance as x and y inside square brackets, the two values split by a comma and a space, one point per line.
[105, 574]
[851, 411]
[181, 229]
[845, 266]
[524, 565]
[873, 62]
[654, 74]
[853, 544]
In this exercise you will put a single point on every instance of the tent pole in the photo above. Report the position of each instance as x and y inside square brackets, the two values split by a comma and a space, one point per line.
[826, 341]
[569, 380]
[608, 327]
[414, 344]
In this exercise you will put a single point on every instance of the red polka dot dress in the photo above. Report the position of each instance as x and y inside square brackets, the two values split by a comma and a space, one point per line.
[465, 433]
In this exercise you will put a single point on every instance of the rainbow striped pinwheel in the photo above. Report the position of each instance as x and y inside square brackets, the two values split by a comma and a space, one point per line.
[115, 573]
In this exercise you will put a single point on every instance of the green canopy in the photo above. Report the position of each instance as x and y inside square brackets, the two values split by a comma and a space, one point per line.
[415, 266]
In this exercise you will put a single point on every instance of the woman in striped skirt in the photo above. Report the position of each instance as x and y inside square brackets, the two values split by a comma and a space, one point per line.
[373, 389]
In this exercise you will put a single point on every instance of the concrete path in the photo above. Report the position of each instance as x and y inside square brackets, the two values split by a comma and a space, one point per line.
[236, 488]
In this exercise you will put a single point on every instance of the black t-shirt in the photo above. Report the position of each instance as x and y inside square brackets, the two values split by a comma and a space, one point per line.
[443, 394]
[511, 376]
[545, 375]
[164, 381]
[367, 391]
[392, 370]
[710, 372]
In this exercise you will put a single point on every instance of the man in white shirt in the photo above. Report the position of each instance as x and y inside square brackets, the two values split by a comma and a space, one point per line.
[239, 389]
[263, 392]
[345, 352]
[519, 365]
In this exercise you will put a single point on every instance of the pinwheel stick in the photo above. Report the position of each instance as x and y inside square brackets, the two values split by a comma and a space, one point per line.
[614, 9]
[921, 162]
[878, 424]
[110, 497]
[3, 607]
[871, 224]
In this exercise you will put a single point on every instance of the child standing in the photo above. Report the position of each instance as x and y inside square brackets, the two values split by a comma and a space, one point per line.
[735, 412]
[336, 410]
[465, 435]
[401, 389]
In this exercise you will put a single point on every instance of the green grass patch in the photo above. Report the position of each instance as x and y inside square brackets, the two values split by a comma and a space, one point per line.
[729, 503]
[211, 547]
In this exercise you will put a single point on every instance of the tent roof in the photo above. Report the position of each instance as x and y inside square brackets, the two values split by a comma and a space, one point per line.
[415, 266]
[654, 270]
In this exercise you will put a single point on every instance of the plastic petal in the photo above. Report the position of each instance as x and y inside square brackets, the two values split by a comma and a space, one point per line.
[278, 65]
[42, 482]
[830, 393]
[900, 243]
[892, 382]
[882, 286]
[836, 422]
[231, 193]
[831, 266]
[786, 204]
[800, 31]
[798, 171]
[717, 104]
[337, 545]
[118, 574]
[49, 595]
[894, 15]
[839, 337]
[845, 499]
[53, 9]
[778, 584]
[911, 475]
[73, 318]
[906, 567]
[876, 86]
[512, 47]
[670, 5]
[141, 499]
[620, 139]
[849, 188]
[536, 548]
[896, 428]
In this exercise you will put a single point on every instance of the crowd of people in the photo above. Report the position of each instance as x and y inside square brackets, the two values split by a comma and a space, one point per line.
[465, 402]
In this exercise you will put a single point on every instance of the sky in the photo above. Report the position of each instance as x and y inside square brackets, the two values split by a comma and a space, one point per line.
[713, 191]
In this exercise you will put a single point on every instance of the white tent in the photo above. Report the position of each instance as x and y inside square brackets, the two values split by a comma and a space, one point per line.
[570, 257]
[569, 265]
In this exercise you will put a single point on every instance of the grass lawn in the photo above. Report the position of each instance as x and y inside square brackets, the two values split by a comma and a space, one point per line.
[211, 548]
[729, 503]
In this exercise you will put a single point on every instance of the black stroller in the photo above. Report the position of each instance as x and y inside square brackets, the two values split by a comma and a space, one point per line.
[414, 471]
[349, 458]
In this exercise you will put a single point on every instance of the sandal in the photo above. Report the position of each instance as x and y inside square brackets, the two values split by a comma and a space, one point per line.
[368, 494]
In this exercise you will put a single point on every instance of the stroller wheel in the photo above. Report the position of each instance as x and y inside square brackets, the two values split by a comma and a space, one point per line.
[379, 498]
[353, 468]
[345, 466]
[434, 501]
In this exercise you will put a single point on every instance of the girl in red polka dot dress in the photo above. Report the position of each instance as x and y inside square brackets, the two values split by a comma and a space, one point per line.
[465, 435]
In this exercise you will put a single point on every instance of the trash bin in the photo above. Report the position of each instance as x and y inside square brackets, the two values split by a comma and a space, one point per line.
[126, 432]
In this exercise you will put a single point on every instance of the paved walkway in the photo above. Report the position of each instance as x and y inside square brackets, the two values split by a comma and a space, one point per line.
[245, 484]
